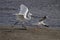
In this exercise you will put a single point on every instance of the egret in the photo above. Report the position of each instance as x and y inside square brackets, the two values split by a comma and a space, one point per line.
[23, 15]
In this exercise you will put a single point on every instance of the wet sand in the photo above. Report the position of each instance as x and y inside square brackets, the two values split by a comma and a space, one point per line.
[31, 34]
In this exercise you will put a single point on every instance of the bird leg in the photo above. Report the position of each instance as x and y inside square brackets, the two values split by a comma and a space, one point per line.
[19, 28]
[16, 23]
[24, 28]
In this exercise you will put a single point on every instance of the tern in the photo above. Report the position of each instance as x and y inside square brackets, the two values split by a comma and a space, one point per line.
[41, 21]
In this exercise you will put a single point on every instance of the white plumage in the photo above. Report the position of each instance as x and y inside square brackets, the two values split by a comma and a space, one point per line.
[24, 14]
[42, 22]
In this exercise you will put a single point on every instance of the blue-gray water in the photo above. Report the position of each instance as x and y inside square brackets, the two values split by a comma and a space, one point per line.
[50, 8]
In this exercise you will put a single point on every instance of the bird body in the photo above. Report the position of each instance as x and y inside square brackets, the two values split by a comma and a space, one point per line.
[42, 22]
[23, 14]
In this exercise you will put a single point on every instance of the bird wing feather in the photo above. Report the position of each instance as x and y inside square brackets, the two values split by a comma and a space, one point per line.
[23, 11]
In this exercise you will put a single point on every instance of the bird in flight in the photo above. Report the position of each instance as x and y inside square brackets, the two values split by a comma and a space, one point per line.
[23, 15]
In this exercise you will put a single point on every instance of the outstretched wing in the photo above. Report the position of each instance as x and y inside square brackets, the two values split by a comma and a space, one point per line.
[23, 10]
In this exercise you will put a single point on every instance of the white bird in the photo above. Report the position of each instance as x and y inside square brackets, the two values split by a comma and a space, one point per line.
[24, 12]
[23, 15]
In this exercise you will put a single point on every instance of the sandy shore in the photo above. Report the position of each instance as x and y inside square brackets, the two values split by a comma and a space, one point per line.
[31, 34]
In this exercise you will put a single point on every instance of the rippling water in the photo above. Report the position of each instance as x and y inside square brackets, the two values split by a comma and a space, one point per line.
[50, 8]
